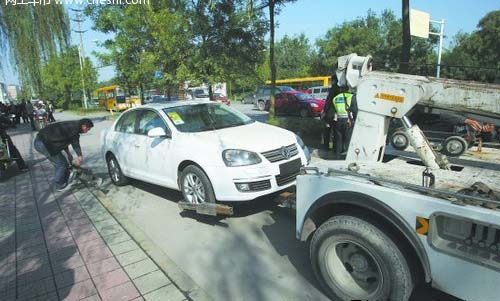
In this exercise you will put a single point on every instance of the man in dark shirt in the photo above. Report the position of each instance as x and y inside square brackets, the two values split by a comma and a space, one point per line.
[14, 152]
[55, 138]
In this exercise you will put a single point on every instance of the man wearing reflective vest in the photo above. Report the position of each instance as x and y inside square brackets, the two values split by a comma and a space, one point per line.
[345, 114]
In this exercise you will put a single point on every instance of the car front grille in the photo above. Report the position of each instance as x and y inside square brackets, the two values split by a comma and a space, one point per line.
[283, 180]
[277, 155]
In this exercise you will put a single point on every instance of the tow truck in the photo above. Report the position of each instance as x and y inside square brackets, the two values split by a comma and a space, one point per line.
[377, 227]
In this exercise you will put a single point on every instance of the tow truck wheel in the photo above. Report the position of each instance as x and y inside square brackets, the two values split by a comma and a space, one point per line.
[355, 260]
[399, 140]
[455, 146]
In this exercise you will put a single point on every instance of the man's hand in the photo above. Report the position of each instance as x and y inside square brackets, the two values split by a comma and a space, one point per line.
[474, 124]
[79, 161]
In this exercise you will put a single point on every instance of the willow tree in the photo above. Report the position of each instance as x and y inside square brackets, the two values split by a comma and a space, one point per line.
[30, 34]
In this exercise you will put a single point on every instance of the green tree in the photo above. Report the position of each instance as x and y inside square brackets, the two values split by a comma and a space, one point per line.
[131, 49]
[477, 49]
[228, 41]
[32, 34]
[293, 56]
[61, 78]
[379, 36]
[273, 7]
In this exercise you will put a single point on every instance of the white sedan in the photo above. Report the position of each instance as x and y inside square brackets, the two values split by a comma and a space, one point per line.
[207, 150]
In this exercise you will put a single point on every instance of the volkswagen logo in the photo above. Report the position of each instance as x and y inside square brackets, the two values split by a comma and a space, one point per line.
[285, 152]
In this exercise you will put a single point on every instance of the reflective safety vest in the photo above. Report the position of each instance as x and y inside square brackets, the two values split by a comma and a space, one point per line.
[341, 103]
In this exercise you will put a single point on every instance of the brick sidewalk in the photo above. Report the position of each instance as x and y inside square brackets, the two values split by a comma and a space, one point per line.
[66, 246]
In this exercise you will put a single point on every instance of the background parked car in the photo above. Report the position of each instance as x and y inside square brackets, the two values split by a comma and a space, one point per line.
[318, 92]
[219, 97]
[197, 94]
[249, 98]
[297, 103]
[263, 94]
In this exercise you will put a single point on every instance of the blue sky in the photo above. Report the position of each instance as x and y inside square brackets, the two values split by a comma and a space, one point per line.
[315, 17]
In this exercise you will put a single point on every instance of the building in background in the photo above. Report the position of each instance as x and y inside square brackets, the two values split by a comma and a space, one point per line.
[4, 96]
[13, 91]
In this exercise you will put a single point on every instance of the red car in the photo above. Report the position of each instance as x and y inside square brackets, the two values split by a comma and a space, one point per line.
[298, 103]
[218, 97]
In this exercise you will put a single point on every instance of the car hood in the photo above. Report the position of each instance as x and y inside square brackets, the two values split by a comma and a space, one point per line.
[256, 137]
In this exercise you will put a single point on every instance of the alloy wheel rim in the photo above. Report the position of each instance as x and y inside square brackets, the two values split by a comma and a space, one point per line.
[114, 171]
[194, 190]
[353, 269]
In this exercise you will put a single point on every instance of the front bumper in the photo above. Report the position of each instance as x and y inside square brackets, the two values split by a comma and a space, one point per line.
[262, 179]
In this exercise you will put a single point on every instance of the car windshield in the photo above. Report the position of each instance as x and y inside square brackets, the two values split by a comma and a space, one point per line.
[205, 117]
[286, 88]
[303, 96]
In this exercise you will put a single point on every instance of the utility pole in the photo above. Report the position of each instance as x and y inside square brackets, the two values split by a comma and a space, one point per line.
[81, 53]
[440, 49]
[404, 66]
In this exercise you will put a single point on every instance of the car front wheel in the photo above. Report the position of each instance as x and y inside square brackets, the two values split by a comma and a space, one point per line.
[195, 186]
[115, 172]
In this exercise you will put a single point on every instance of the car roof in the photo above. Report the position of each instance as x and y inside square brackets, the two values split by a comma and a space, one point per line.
[292, 92]
[172, 104]
[317, 87]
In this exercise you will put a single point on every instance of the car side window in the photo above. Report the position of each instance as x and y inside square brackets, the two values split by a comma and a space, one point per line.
[126, 124]
[267, 91]
[316, 91]
[150, 120]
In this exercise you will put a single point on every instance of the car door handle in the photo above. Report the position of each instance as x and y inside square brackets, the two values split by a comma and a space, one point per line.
[137, 146]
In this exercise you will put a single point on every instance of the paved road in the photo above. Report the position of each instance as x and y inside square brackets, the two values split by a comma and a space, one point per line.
[250, 256]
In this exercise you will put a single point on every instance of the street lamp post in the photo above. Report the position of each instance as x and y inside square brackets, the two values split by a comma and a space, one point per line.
[440, 49]
[81, 54]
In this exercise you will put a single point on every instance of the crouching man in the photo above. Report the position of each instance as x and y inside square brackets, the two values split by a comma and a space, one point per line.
[55, 138]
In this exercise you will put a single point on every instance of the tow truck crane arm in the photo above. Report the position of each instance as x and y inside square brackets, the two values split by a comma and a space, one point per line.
[382, 95]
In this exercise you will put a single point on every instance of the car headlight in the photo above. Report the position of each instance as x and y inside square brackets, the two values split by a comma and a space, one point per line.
[313, 105]
[238, 157]
[302, 145]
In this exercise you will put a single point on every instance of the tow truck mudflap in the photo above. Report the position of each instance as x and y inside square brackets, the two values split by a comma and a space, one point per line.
[207, 208]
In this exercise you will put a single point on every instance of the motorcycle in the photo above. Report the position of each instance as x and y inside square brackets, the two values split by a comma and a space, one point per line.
[41, 119]
[11, 117]
[5, 159]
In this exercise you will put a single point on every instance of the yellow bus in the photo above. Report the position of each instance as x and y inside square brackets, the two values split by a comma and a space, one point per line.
[303, 83]
[117, 99]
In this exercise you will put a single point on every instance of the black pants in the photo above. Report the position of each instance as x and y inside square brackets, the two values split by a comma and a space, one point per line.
[341, 137]
[32, 121]
[51, 117]
[14, 152]
[328, 129]
[25, 118]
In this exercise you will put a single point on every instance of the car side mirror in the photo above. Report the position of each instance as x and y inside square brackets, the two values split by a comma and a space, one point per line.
[158, 132]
